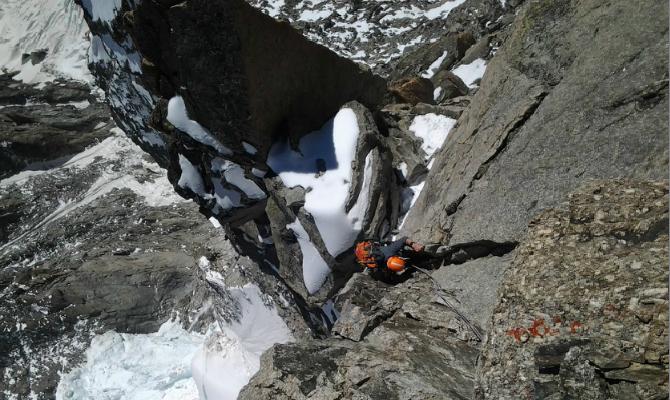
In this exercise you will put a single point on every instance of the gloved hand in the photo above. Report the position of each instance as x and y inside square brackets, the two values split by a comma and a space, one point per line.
[418, 247]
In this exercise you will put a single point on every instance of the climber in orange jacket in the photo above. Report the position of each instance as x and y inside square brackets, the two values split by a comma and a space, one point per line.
[386, 258]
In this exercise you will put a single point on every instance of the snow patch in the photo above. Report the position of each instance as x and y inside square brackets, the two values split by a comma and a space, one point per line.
[322, 166]
[102, 10]
[435, 66]
[55, 26]
[315, 271]
[249, 148]
[190, 177]
[470, 73]
[409, 197]
[234, 175]
[231, 357]
[178, 117]
[136, 367]
[432, 129]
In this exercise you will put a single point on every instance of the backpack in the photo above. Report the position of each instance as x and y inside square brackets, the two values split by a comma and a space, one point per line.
[368, 253]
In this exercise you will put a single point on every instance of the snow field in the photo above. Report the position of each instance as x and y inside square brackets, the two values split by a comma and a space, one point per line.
[57, 26]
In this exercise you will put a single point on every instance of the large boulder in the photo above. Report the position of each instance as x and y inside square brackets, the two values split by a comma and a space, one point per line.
[555, 107]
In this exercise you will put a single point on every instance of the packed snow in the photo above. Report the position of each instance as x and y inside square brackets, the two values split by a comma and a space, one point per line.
[432, 129]
[190, 177]
[322, 166]
[315, 270]
[471, 73]
[56, 26]
[178, 117]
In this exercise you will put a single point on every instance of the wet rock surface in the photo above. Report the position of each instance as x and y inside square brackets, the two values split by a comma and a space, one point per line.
[582, 309]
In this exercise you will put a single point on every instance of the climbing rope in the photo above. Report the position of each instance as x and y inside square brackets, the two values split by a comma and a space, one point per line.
[439, 290]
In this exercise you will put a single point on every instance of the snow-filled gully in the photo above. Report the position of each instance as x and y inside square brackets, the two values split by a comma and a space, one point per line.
[322, 166]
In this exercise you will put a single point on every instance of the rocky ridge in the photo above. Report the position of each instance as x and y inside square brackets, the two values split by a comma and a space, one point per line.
[389, 341]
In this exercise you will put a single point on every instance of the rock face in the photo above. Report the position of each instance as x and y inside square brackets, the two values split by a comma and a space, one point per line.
[556, 106]
[372, 179]
[247, 76]
[582, 311]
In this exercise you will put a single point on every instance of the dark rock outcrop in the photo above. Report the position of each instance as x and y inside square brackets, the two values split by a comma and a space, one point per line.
[207, 88]
[246, 77]
[582, 310]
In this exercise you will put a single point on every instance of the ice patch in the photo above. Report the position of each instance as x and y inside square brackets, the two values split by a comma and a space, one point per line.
[315, 271]
[178, 117]
[470, 73]
[433, 130]
[136, 367]
[323, 168]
